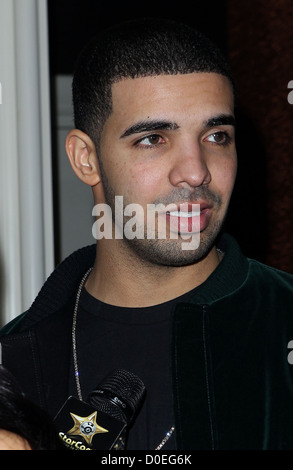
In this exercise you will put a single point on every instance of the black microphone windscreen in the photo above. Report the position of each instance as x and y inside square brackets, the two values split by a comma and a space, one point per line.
[119, 395]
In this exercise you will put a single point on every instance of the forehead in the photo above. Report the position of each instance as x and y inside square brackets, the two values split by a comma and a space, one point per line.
[181, 93]
[194, 85]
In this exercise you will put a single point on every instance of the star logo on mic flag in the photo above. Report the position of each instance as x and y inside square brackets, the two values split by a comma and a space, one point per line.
[87, 427]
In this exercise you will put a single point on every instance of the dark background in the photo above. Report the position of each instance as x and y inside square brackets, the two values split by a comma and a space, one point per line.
[257, 38]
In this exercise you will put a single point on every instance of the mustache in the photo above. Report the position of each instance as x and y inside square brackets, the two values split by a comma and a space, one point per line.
[194, 196]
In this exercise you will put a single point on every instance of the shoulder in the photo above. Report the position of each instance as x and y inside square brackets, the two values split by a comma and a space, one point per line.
[21, 325]
[14, 326]
[57, 293]
[271, 288]
[270, 275]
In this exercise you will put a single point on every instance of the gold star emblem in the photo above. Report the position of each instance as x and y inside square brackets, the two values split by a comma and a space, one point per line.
[86, 427]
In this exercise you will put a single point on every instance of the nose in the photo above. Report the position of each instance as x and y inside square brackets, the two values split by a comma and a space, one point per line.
[189, 167]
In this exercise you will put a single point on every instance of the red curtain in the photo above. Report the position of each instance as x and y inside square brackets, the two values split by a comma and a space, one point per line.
[260, 49]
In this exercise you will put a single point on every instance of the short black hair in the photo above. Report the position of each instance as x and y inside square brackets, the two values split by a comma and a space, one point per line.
[22, 417]
[132, 49]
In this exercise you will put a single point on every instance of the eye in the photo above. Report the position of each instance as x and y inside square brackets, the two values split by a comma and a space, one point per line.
[150, 141]
[219, 138]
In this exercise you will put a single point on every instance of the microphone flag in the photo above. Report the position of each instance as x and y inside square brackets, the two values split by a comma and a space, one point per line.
[82, 427]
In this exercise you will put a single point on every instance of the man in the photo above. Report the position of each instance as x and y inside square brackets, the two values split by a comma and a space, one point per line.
[205, 328]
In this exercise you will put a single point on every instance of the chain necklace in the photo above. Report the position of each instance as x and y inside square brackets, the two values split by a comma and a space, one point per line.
[74, 352]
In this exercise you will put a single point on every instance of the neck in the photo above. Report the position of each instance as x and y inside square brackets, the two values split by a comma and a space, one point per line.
[127, 281]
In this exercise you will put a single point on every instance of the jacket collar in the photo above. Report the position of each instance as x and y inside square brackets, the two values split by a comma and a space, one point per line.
[61, 286]
[229, 275]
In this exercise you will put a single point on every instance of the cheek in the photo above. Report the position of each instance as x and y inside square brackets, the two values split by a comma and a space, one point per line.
[144, 182]
[115, 171]
[138, 182]
[224, 178]
[139, 178]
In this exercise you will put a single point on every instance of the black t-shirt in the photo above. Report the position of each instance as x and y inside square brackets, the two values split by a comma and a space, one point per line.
[137, 340]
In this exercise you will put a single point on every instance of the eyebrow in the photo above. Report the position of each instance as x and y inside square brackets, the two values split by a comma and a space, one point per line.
[149, 125]
[221, 120]
[154, 125]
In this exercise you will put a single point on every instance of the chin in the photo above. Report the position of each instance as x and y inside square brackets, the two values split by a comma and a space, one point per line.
[170, 252]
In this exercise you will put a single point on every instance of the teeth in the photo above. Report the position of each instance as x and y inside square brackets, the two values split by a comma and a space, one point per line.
[184, 214]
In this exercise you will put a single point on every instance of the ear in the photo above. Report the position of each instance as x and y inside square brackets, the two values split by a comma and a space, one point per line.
[82, 155]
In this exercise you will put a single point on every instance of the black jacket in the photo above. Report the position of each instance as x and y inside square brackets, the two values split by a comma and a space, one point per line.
[232, 379]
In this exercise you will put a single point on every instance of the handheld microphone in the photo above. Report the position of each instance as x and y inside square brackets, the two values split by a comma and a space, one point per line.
[102, 422]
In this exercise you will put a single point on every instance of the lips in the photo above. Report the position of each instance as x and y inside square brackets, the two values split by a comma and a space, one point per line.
[185, 210]
[188, 217]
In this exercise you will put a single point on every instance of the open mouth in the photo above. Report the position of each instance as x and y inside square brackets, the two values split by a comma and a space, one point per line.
[187, 218]
[184, 213]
